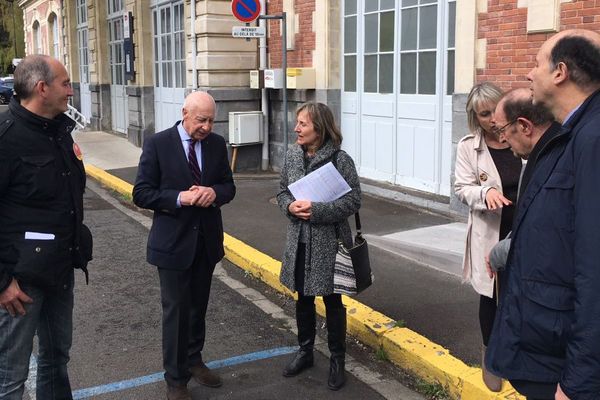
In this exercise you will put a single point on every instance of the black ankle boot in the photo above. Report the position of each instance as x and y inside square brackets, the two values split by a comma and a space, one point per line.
[337, 373]
[303, 359]
[336, 339]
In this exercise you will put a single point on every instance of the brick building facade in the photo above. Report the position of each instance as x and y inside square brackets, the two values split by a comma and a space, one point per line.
[395, 72]
[511, 47]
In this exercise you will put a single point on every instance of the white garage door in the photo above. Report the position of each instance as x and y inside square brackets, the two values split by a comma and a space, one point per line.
[398, 75]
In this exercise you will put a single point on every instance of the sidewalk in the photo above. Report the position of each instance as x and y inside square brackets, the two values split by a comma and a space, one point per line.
[416, 257]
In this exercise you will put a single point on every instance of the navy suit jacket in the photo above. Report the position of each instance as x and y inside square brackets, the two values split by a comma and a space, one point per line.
[162, 174]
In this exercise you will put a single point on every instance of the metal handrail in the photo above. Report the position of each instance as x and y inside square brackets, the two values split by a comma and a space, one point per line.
[80, 120]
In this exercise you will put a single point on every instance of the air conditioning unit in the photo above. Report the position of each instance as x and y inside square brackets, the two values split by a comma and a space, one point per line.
[245, 127]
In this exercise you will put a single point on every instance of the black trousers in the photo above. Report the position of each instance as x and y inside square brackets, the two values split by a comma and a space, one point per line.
[184, 296]
[487, 314]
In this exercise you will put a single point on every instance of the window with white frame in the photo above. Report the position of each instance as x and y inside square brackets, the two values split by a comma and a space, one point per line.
[350, 51]
[451, 46]
[115, 6]
[82, 41]
[115, 42]
[37, 40]
[84, 69]
[418, 46]
[179, 46]
[169, 46]
[379, 21]
[81, 12]
[53, 29]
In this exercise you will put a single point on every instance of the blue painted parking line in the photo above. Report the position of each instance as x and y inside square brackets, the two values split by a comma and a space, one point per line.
[145, 380]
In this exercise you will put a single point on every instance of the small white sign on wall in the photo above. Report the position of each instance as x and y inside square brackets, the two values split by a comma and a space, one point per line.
[248, 31]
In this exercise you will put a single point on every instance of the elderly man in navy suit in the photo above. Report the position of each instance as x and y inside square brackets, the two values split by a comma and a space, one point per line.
[184, 177]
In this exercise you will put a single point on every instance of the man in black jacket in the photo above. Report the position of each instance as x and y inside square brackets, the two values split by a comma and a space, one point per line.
[42, 236]
[184, 177]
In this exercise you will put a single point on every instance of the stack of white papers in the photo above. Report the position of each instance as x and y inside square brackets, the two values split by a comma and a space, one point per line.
[321, 185]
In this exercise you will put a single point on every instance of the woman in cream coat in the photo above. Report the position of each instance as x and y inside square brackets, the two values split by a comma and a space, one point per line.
[487, 176]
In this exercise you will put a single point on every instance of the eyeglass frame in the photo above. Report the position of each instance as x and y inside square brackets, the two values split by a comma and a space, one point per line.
[500, 131]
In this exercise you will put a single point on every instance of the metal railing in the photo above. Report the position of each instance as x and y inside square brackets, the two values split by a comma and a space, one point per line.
[80, 120]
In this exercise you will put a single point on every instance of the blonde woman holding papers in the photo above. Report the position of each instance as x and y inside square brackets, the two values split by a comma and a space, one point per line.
[312, 237]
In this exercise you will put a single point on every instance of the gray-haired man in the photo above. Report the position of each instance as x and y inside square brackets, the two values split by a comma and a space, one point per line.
[42, 236]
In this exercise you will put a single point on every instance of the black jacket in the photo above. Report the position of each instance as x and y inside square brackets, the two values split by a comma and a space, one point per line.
[41, 191]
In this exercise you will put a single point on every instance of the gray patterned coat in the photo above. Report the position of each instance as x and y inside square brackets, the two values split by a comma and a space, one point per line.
[325, 216]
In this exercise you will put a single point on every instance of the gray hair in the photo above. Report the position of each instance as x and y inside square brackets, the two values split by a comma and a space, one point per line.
[29, 72]
[481, 93]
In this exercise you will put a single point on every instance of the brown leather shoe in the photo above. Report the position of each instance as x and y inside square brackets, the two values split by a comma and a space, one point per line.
[205, 376]
[178, 393]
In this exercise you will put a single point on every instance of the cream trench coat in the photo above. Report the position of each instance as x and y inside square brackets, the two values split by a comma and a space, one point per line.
[475, 174]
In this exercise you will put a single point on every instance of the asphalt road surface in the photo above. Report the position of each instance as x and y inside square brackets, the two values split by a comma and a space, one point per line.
[116, 352]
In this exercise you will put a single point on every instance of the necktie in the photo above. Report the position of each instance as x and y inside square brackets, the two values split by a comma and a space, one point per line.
[193, 163]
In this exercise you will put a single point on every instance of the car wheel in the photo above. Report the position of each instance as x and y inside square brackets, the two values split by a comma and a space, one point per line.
[3, 99]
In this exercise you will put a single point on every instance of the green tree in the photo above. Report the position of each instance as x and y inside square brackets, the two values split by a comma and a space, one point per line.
[10, 34]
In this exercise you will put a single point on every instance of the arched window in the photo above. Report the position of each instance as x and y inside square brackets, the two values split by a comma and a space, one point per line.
[54, 35]
[37, 40]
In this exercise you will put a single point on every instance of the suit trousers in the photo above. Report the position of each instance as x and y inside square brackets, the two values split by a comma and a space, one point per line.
[184, 296]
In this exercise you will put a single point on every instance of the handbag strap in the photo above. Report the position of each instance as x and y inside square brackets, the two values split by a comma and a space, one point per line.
[357, 221]
[334, 159]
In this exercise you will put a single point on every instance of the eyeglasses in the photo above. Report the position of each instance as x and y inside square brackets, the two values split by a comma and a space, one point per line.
[499, 131]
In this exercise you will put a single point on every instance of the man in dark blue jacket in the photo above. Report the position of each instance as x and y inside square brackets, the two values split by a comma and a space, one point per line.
[184, 177]
[546, 337]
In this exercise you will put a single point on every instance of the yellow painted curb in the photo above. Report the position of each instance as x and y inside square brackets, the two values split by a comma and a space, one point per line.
[258, 264]
[432, 362]
[403, 347]
[111, 181]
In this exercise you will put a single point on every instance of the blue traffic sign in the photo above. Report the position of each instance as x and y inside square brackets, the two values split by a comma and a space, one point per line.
[245, 10]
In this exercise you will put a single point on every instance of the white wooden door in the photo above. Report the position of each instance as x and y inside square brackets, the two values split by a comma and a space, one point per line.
[396, 103]
[169, 63]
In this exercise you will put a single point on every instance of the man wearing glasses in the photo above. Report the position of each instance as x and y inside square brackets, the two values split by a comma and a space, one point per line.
[525, 127]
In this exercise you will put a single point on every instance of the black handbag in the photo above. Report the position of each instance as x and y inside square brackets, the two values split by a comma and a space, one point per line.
[352, 271]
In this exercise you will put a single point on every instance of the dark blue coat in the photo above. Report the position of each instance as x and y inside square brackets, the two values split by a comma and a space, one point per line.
[547, 327]
[163, 172]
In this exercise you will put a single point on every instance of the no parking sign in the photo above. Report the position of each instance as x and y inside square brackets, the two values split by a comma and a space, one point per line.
[245, 10]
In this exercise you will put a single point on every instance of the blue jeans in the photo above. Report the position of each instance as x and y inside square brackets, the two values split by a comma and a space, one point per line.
[51, 315]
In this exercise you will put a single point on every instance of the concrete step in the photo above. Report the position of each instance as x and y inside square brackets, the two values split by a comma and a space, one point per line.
[440, 247]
